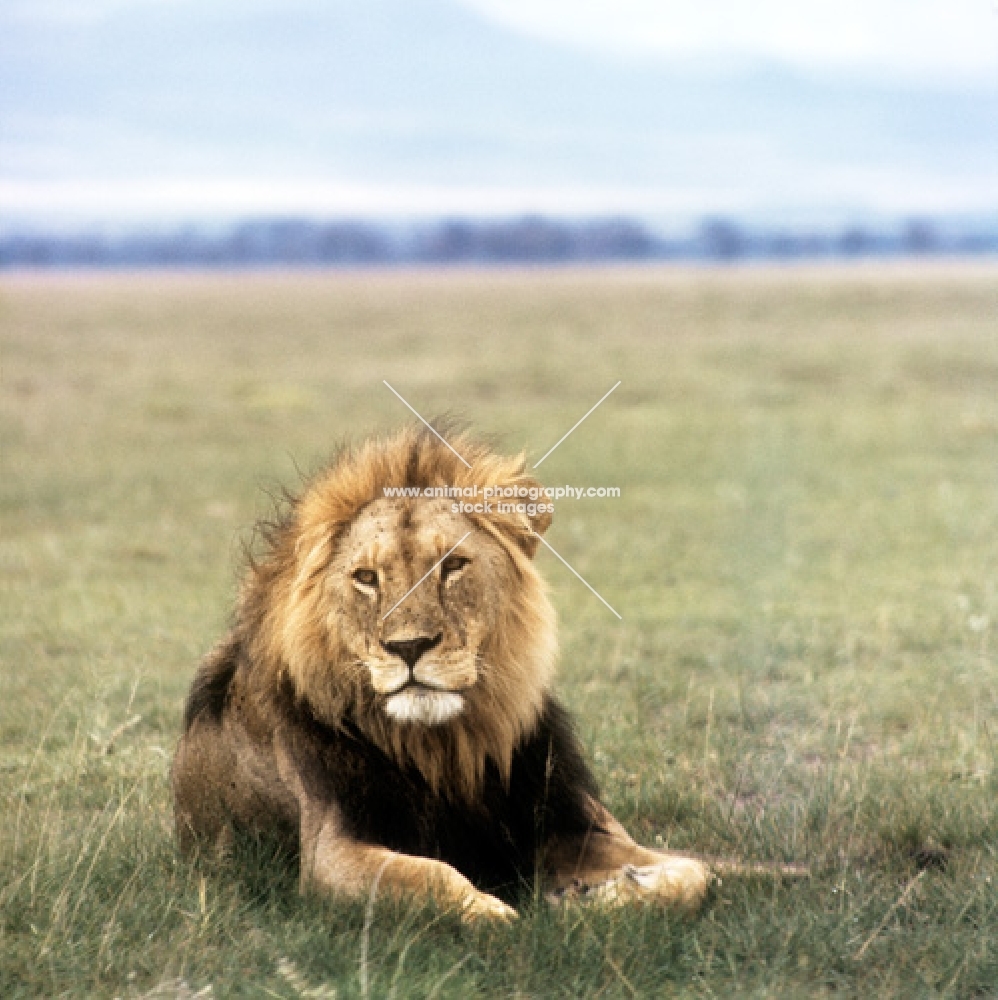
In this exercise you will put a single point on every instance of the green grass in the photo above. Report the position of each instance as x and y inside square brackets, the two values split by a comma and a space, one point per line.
[805, 556]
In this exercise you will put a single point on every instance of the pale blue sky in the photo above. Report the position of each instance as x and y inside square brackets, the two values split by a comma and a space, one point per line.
[170, 110]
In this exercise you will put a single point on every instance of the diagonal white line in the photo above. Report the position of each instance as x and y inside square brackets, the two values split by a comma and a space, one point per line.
[541, 540]
[432, 568]
[430, 426]
[556, 445]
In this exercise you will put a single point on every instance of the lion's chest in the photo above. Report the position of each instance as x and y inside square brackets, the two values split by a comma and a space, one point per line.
[495, 840]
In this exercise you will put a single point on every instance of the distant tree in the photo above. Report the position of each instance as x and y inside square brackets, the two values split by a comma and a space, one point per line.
[450, 242]
[615, 239]
[789, 245]
[352, 243]
[919, 236]
[855, 241]
[530, 239]
[721, 239]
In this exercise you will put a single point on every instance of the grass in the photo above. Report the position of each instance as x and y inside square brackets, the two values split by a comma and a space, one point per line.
[804, 553]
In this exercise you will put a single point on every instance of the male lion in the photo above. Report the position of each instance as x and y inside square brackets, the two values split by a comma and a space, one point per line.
[383, 701]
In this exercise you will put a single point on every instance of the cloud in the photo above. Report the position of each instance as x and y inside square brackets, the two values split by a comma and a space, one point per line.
[942, 39]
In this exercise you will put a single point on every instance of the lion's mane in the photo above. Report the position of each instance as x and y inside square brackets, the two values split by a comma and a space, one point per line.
[291, 635]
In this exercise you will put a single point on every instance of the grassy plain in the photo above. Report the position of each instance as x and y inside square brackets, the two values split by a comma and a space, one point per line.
[804, 555]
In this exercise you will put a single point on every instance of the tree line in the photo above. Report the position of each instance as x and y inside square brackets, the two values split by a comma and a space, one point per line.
[526, 240]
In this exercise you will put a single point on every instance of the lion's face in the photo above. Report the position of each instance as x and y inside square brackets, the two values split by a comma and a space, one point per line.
[419, 591]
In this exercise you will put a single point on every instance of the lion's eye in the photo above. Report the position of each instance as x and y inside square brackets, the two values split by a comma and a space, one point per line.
[366, 577]
[451, 565]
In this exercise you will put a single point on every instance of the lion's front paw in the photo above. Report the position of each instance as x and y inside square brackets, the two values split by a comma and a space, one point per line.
[480, 906]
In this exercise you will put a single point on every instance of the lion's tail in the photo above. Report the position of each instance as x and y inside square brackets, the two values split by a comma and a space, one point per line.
[730, 867]
[757, 869]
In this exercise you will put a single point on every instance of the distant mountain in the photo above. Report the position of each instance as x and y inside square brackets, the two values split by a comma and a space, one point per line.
[424, 92]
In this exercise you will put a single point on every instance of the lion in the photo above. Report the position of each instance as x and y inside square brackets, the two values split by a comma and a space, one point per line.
[383, 701]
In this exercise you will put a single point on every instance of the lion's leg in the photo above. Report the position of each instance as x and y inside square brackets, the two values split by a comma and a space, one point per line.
[332, 862]
[335, 862]
[200, 770]
[606, 865]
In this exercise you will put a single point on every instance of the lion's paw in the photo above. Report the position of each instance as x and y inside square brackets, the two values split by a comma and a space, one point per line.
[677, 882]
[681, 882]
[481, 907]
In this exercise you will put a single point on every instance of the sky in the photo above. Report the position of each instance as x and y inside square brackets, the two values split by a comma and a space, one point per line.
[913, 39]
[126, 112]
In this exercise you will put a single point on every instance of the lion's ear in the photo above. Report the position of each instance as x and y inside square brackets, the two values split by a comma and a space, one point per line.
[313, 552]
[534, 528]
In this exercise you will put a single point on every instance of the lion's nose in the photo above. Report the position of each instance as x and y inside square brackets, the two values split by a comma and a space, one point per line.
[410, 650]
